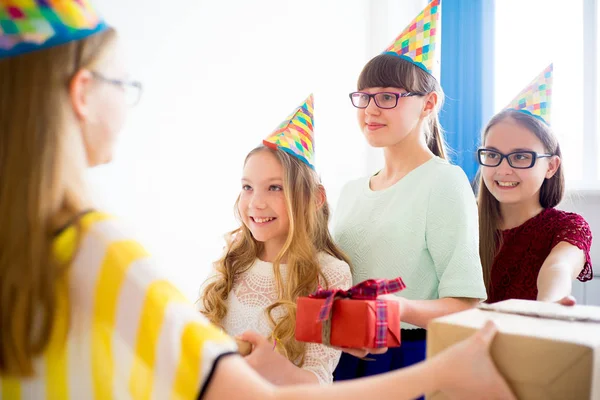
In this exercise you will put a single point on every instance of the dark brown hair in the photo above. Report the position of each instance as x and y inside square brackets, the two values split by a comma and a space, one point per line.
[551, 192]
[386, 70]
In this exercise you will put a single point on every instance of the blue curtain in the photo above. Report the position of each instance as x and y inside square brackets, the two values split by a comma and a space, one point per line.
[467, 76]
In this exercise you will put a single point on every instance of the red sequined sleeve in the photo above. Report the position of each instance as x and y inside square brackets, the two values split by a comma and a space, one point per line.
[573, 229]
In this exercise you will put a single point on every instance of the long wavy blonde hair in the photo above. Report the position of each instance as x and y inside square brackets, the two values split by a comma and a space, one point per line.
[42, 162]
[308, 235]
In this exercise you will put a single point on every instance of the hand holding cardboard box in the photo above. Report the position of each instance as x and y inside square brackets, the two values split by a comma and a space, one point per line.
[544, 350]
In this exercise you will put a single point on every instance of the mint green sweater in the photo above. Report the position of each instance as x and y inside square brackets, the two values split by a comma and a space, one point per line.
[424, 228]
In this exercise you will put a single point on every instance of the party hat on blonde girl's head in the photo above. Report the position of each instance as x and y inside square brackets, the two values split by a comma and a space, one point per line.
[535, 99]
[295, 135]
[418, 41]
[30, 25]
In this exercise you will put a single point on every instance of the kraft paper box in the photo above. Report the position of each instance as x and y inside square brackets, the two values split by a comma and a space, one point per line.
[544, 350]
[353, 322]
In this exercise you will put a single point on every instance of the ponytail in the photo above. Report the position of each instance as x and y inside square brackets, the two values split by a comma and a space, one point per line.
[435, 137]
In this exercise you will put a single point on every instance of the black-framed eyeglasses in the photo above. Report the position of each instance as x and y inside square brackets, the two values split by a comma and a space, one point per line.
[133, 89]
[384, 100]
[517, 159]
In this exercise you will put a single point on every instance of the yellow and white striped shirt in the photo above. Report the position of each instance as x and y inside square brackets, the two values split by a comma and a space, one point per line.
[122, 331]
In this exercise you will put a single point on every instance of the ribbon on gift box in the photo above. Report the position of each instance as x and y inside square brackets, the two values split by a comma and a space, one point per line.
[367, 290]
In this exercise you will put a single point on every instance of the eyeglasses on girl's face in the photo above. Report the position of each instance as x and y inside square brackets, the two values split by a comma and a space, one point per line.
[133, 89]
[523, 159]
[384, 100]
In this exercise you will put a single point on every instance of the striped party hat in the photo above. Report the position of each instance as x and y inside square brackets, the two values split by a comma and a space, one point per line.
[535, 98]
[295, 134]
[417, 42]
[30, 25]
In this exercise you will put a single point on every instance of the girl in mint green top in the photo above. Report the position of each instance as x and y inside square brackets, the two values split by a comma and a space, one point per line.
[422, 228]
[416, 218]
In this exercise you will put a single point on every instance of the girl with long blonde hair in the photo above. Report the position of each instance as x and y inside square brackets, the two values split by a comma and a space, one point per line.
[281, 251]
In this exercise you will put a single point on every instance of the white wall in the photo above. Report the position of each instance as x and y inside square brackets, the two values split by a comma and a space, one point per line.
[218, 77]
[587, 204]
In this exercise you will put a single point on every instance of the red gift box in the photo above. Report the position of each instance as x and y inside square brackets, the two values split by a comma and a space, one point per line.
[351, 318]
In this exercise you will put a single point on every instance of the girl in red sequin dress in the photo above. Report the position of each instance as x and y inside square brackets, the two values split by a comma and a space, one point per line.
[529, 249]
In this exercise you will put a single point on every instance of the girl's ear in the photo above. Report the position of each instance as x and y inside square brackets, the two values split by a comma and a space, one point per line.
[321, 196]
[431, 100]
[553, 166]
[78, 93]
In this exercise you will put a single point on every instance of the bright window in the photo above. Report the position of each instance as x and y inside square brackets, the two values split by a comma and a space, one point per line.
[531, 34]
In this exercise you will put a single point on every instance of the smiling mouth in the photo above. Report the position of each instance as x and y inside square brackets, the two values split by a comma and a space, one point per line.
[507, 184]
[264, 220]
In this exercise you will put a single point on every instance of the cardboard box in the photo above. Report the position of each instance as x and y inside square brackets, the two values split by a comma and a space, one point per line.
[544, 350]
[353, 322]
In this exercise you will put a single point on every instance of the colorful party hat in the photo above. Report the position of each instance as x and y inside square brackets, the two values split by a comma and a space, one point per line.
[417, 42]
[30, 25]
[295, 134]
[535, 98]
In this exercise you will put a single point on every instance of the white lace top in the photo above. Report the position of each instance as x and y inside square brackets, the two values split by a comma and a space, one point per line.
[255, 289]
